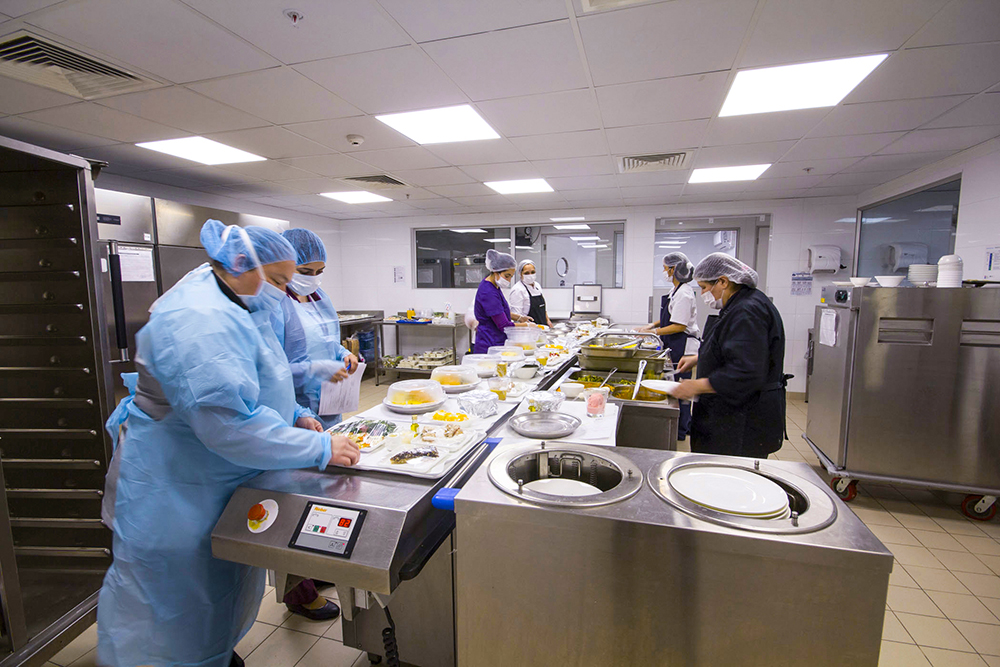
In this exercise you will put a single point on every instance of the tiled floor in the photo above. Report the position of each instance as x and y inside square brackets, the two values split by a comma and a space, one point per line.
[944, 596]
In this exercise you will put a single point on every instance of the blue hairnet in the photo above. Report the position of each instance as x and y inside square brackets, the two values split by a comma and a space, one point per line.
[681, 265]
[268, 245]
[308, 246]
[499, 261]
[720, 264]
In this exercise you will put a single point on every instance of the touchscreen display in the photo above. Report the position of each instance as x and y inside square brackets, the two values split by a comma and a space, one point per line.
[328, 529]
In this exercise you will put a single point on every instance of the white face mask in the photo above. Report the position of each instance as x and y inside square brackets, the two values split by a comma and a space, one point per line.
[503, 283]
[251, 301]
[670, 278]
[305, 285]
[711, 301]
[528, 278]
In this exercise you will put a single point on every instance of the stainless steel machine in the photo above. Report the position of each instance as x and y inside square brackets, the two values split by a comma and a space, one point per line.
[588, 301]
[903, 389]
[638, 575]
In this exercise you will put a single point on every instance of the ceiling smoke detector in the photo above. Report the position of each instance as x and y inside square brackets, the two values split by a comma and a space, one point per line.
[658, 162]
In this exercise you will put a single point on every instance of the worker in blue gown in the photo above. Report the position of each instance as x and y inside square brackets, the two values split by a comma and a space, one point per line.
[214, 406]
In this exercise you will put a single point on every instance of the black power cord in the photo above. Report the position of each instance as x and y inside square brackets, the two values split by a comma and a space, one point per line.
[389, 641]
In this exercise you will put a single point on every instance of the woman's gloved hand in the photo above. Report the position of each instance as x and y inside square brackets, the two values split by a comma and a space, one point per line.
[686, 363]
[343, 451]
[328, 370]
[352, 363]
[309, 423]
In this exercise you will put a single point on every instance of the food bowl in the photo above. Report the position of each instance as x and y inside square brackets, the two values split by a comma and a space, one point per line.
[889, 281]
[860, 282]
[571, 389]
[525, 371]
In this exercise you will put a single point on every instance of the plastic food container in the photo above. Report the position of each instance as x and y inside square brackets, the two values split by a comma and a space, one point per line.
[479, 403]
[415, 392]
[506, 353]
[484, 365]
[455, 376]
[525, 370]
[544, 401]
[525, 338]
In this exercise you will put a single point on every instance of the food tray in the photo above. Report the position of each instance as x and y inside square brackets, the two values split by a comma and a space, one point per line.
[350, 429]
[379, 461]
[544, 425]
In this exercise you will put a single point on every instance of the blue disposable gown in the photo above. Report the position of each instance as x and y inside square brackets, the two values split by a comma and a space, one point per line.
[165, 599]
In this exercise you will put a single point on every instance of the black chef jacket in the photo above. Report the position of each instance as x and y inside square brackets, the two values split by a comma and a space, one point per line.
[743, 358]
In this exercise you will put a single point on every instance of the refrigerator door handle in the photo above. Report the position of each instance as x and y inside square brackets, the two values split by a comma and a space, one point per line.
[118, 301]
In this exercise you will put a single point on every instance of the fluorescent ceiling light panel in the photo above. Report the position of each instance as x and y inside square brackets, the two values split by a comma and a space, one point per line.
[524, 247]
[200, 149]
[356, 197]
[803, 86]
[586, 238]
[577, 219]
[497, 240]
[519, 187]
[572, 227]
[441, 126]
[937, 209]
[470, 230]
[593, 245]
[747, 172]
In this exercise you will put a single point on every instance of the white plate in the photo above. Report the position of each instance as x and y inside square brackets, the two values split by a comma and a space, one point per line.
[459, 388]
[661, 386]
[731, 490]
[412, 409]
[562, 487]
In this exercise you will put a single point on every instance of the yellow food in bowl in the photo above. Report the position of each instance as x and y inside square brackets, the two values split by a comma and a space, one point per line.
[444, 416]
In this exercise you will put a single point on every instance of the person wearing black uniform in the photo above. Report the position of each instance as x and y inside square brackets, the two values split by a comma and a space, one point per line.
[741, 385]
[526, 299]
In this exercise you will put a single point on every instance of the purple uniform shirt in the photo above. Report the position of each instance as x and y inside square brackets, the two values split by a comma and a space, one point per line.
[490, 307]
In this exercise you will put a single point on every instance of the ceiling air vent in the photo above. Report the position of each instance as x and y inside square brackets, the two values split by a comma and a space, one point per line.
[659, 162]
[40, 61]
[379, 182]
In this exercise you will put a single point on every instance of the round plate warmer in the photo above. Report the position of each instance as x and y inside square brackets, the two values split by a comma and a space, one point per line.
[811, 506]
[616, 476]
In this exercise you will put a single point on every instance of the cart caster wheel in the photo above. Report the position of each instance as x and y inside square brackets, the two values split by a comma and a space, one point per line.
[980, 508]
[846, 488]
[374, 658]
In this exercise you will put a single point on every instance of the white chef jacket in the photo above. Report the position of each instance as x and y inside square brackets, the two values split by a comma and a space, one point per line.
[684, 310]
[520, 298]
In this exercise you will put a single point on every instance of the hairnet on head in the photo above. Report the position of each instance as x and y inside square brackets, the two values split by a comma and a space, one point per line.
[308, 246]
[227, 248]
[499, 261]
[681, 265]
[520, 266]
[720, 264]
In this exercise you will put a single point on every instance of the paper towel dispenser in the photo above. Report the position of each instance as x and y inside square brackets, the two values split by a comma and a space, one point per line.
[901, 255]
[824, 258]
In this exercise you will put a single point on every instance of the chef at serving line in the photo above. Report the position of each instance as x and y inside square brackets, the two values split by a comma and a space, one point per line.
[214, 407]
[526, 297]
[678, 323]
[741, 385]
[491, 309]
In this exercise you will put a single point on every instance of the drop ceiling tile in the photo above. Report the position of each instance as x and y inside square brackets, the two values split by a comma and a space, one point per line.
[931, 72]
[128, 157]
[707, 198]
[891, 116]
[453, 18]
[757, 195]
[592, 193]
[476, 152]
[600, 203]
[945, 139]
[715, 188]
[868, 179]
[482, 200]
[664, 100]
[538, 198]
[269, 170]
[212, 175]
[740, 154]
[333, 133]
[466, 190]
[665, 39]
[271, 142]
[543, 114]
[330, 27]
[797, 168]
[502, 171]
[841, 191]
[658, 138]
[430, 177]
[280, 95]
[168, 177]
[562, 145]
[540, 58]
[166, 39]
[101, 121]
[179, 107]
[652, 191]
[666, 177]
[757, 128]
[19, 97]
[392, 159]
[5, 17]
[905, 162]
[582, 183]
[980, 110]
[400, 79]
[336, 166]
[263, 189]
[961, 22]
[22, 7]
[575, 166]
[49, 136]
[837, 147]
[410, 195]
[439, 204]
[791, 183]
[803, 30]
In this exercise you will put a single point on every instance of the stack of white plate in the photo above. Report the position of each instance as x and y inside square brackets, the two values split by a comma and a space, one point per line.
[921, 274]
[731, 490]
[950, 269]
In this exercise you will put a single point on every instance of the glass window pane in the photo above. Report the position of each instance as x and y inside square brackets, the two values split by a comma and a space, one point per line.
[450, 258]
[565, 258]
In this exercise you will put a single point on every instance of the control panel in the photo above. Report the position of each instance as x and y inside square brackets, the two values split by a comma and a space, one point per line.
[839, 297]
[328, 529]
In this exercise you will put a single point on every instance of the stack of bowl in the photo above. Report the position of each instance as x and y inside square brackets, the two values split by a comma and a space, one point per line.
[922, 274]
[950, 269]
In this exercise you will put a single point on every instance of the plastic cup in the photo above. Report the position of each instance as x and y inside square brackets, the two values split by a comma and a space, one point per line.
[596, 399]
[499, 387]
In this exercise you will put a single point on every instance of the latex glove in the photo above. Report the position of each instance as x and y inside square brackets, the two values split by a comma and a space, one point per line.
[686, 363]
[309, 423]
[328, 369]
[351, 362]
[343, 451]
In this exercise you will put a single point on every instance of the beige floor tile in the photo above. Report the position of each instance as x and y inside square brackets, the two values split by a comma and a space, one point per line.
[273, 612]
[983, 585]
[303, 624]
[959, 525]
[938, 540]
[885, 492]
[874, 517]
[893, 535]
[918, 521]
[993, 604]
[253, 638]
[934, 579]
[900, 577]
[893, 630]
[336, 631]
[959, 607]
[330, 653]
[88, 659]
[985, 546]
[935, 632]
[991, 528]
[894, 654]
[76, 649]
[991, 562]
[283, 648]
[962, 561]
[914, 556]
[991, 660]
[941, 658]
[985, 638]
[911, 601]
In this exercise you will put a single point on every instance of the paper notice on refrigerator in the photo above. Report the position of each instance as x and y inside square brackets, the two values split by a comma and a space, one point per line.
[992, 271]
[137, 264]
[828, 327]
[336, 398]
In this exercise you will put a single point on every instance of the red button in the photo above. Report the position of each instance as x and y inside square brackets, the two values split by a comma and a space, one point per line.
[257, 513]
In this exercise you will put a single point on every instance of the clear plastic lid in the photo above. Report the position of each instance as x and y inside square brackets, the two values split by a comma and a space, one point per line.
[455, 375]
[415, 392]
[484, 365]
[506, 353]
